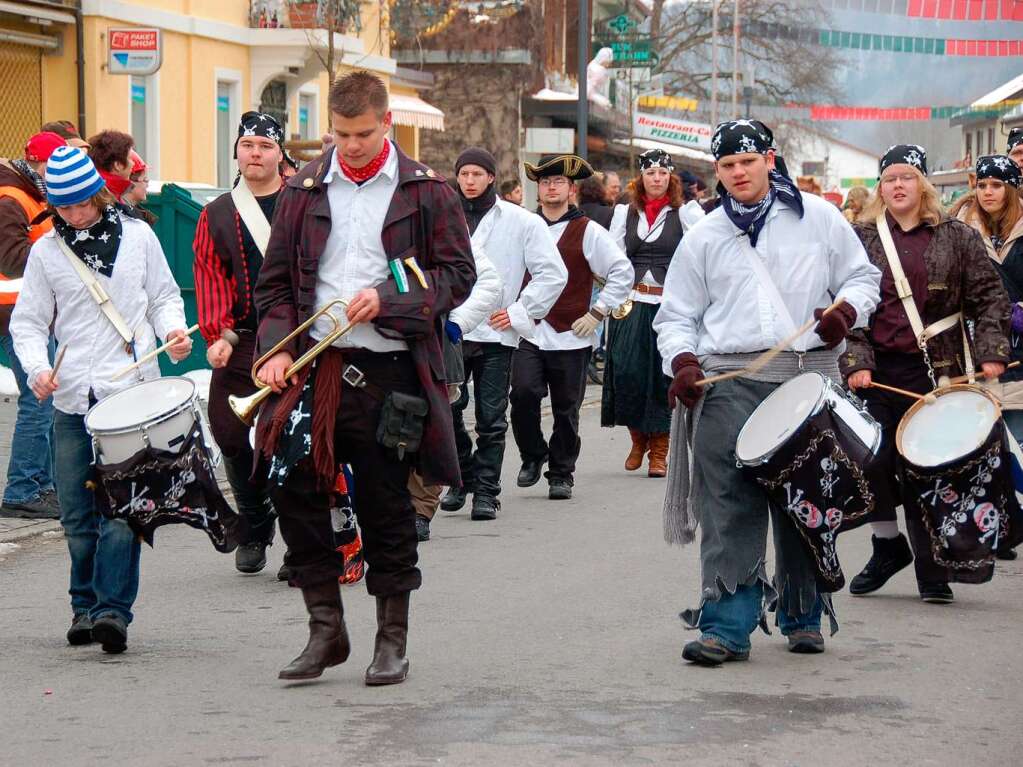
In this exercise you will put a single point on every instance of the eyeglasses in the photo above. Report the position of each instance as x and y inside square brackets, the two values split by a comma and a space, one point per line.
[905, 178]
[553, 181]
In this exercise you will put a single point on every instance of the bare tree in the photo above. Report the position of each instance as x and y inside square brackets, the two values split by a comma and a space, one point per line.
[331, 16]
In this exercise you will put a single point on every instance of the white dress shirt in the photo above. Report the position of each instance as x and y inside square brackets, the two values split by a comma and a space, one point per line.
[485, 297]
[141, 287]
[516, 240]
[606, 260]
[354, 257]
[688, 215]
[713, 302]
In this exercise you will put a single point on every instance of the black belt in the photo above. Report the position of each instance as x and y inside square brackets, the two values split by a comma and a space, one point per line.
[355, 378]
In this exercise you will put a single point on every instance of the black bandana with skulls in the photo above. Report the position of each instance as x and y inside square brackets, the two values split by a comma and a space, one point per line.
[655, 158]
[1015, 139]
[96, 246]
[741, 137]
[259, 124]
[1000, 167]
[904, 154]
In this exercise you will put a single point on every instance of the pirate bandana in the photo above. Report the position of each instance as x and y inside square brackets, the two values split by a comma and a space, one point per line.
[96, 246]
[1015, 139]
[259, 124]
[904, 154]
[999, 167]
[741, 137]
[655, 158]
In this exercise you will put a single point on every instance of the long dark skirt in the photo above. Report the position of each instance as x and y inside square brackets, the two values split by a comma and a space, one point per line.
[635, 388]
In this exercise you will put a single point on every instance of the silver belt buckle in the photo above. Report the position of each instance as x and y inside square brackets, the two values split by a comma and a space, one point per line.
[353, 376]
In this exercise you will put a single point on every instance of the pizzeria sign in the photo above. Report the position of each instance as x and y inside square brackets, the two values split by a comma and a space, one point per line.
[672, 131]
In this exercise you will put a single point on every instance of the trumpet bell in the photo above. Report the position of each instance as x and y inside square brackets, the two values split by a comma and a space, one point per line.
[246, 408]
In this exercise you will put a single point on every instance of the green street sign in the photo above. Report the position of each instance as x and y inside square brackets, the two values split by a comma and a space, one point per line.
[621, 24]
[629, 51]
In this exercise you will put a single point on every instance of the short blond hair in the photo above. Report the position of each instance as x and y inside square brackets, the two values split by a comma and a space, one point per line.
[930, 210]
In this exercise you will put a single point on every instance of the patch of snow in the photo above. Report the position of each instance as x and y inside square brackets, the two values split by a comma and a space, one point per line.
[8, 386]
[202, 380]
[7, 548]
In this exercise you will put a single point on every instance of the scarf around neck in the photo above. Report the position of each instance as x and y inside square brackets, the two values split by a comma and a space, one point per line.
[476, 208]
[367, 171]
[96, 246]
[751, 218]
[28, 172]
[572, 213]
[653, 207]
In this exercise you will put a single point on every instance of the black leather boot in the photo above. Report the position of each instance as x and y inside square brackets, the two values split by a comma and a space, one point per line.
[328, 643]
[390, 666]
[454, 499]
[890, 556]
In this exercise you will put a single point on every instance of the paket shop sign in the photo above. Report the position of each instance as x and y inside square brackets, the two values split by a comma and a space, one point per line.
[672, 131]
[134, 51]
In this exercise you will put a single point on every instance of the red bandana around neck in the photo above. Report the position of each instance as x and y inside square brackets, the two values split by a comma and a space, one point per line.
[367, 171]
[653, 207]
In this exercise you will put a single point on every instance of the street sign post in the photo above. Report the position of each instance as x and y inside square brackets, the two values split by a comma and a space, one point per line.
[630, 50]
[134, 51]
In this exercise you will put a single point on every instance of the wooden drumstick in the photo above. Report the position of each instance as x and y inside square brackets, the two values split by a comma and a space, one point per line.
[142, 361]
[981, 374]
[771, 353]
[930, 399]
[56, 365]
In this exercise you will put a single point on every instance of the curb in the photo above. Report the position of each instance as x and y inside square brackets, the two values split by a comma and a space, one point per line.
[29, 530]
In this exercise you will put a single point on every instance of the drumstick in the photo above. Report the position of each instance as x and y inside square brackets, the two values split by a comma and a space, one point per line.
[930, 399]
[146, 358]
[56, 365]
[965, 379]
[771, 353]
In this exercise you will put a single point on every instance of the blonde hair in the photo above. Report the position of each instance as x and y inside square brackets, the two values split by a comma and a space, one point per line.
[929, 211]
[857, 198]
[100, 201]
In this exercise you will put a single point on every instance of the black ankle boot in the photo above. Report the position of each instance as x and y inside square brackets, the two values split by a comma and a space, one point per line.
[328, 643]
[890, 556]
[390, 666]
[454, 499]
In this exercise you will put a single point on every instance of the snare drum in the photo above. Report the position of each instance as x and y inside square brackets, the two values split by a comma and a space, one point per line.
[958, 477]
[807, 445]
[160, 413]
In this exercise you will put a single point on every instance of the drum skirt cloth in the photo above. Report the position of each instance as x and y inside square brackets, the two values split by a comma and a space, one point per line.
[734, 510]
[635, 387]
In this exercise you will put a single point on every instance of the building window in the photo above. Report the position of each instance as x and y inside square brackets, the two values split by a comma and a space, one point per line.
[138, 114]
[969, 146]
[225, 146]
[145, 120]
[990, 140]
[307, 125]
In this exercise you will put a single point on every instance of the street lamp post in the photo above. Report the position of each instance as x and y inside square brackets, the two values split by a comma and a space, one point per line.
[582, 112]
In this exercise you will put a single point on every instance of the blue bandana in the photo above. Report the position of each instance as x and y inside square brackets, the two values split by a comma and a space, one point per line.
[751, 218]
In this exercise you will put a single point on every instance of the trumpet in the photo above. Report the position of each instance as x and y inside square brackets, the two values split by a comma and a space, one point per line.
[246, 407]
[619, 312]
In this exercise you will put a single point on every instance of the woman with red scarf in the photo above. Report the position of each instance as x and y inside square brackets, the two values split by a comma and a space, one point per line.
[649, 229]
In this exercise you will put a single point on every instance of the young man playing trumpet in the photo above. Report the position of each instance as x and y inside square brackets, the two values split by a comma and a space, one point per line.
[366, 225]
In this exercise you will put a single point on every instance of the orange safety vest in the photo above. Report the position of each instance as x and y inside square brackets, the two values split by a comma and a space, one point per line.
[32, 208]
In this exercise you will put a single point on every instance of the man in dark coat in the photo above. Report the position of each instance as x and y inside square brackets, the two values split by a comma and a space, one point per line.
[366, 225]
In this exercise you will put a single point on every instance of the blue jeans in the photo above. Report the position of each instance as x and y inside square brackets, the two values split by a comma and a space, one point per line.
[30, 469]
[1014, 420]
[734, 617]
[104, 552]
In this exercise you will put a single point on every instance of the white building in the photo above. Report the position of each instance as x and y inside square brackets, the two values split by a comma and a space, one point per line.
[837, 165]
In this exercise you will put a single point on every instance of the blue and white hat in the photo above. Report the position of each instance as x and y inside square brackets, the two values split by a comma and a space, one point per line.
[71, 177]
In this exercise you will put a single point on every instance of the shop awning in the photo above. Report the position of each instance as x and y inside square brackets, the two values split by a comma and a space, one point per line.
[35, 12]
[416, 113]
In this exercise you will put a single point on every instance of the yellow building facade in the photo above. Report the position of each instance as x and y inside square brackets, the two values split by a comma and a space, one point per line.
[217, 62]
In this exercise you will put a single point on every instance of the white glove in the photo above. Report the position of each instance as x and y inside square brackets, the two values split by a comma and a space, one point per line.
[587, 324]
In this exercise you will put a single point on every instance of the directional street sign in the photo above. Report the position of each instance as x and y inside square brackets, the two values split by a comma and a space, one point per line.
[633, 50]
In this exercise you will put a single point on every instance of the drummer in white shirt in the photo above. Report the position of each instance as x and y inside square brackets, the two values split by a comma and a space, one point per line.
[766, 261]
[125, 258]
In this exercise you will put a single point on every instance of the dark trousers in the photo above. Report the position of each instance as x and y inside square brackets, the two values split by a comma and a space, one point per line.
[906, 371]
[232, 436]
[489, 366]
[563, 374]
[386, 517]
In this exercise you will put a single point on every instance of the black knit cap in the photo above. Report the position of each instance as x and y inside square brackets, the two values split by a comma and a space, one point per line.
[475, 155]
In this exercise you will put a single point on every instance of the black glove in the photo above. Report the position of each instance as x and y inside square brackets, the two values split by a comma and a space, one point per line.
[687, 372]
[834, 327]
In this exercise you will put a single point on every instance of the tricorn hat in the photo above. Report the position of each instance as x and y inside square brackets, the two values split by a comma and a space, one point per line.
[568, 165]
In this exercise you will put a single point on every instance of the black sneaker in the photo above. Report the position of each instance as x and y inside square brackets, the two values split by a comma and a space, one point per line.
[890, 555]
[422, 527]
[530, 473]
[81, 630]
[284, 573]
[40, 507]
[559, 489]
[936, 593]
[454, 499]
[1007, 554]
[484, 508]
[250, 557]
[111, 632]
[806, 642]
[707, 651]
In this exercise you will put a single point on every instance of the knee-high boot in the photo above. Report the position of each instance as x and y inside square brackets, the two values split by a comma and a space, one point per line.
[328, 643]
[390, 666]
[640, 443]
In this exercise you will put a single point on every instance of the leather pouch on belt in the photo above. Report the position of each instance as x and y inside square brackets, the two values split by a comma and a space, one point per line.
[402, 421]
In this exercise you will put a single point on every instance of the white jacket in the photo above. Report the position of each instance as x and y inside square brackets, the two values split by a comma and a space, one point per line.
[713, 302]
[141, 287]
[485, 297]
[516, 240]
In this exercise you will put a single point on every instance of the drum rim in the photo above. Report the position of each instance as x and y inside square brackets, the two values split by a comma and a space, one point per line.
[920, 404]
[766, 457]
[155, 420]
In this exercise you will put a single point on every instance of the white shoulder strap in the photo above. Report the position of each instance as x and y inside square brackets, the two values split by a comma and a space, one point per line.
[251, 214]
[97, 291]
[767, 283]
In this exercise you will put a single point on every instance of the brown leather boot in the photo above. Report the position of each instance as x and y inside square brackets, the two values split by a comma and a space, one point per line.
[658, 466]
[640, 443]
[328, 643]
[390, 666]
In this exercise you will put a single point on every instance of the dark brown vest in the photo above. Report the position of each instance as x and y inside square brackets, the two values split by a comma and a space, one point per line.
[574, 300]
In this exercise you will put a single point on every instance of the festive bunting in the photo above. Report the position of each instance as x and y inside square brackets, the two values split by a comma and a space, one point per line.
[949, 10]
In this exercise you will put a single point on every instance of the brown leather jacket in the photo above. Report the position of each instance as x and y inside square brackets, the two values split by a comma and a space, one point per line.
[960, 276]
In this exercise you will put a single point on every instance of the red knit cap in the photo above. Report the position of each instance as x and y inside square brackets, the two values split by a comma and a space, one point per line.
[41, 146]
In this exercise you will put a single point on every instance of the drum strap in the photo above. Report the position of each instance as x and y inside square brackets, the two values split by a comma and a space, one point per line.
[767, 283]
[251, 214]
[98, 293]
[923, 334]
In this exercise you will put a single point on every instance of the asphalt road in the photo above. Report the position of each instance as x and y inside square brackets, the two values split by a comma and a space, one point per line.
[549, 636]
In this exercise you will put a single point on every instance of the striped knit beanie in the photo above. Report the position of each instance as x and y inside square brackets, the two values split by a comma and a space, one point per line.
[71, 177]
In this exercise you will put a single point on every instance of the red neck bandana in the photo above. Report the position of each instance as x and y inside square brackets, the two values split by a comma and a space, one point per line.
[367, 171]
[653, 207]
[117, 185]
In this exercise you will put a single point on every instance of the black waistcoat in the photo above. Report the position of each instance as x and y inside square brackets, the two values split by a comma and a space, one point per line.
[653, 255]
